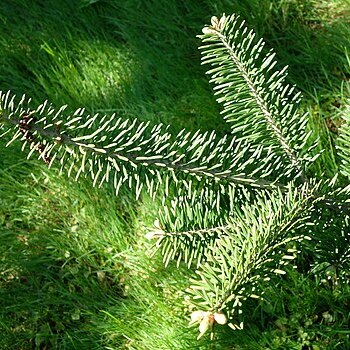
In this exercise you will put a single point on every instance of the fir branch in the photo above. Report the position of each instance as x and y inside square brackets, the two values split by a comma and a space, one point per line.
[251, 96]
[191, 245]
[343, 144]
[199, 232]
[238, 201]
[251, 252]
[199, 155]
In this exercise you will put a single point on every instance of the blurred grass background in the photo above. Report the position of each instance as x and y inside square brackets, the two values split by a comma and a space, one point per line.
[75, 271]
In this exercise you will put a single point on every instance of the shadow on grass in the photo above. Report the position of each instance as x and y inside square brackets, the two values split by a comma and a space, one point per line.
[73, 55]
[45, 304]
[60, 257]
[141, 59]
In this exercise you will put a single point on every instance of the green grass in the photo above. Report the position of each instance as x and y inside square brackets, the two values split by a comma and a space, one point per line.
[75, 269]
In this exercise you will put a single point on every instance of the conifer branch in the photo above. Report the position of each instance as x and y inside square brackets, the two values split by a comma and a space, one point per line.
[254, 249]
[251, 96]
[229, 161]
[343, 144]
[232, 205]
[265, 108]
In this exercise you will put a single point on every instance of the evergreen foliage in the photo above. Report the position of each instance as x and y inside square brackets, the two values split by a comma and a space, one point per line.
[344, 144]
[236, 209]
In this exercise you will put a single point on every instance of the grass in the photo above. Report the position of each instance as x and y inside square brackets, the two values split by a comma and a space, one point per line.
[75, 270]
